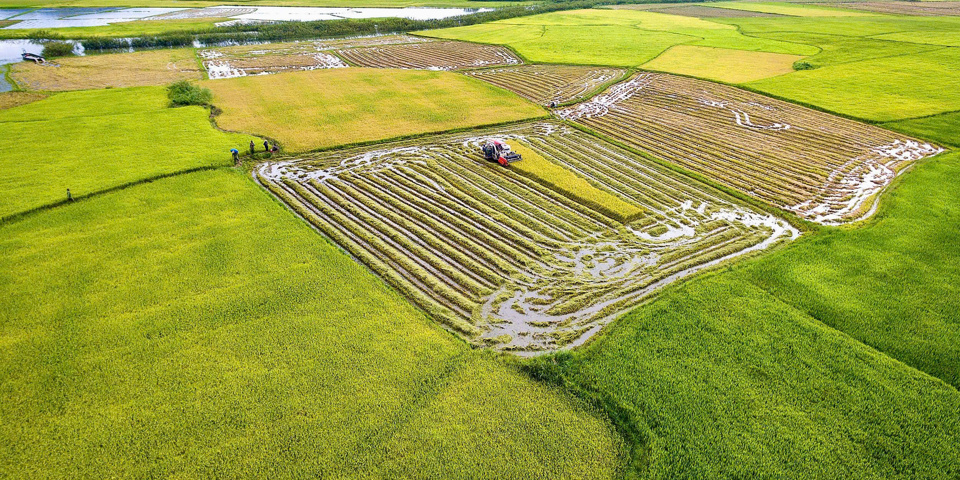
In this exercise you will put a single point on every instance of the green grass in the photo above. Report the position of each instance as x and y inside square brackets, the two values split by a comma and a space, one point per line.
[948, 39]
[96, 140]
[893, 284]
[192, 327]
[324, 108]
[907, 89]
[844, 26]
[717, 379]
[758, 369]
[614, 45]
[623, 38]
[943, 128]
[571, 185]
[125, 29]
[854, 52]
[839, 49]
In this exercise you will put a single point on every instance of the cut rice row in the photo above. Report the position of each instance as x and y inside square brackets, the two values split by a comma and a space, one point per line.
[823, 167]
[501, 257]
[445, 55]
[544, 84]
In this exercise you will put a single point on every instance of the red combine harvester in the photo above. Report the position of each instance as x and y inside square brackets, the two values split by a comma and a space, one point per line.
[495, 150]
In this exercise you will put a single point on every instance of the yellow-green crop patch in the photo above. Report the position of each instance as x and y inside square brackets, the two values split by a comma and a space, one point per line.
[95, 140]
[723, 64]
[625, 38]
[571, 185]
[193, 327]
[792, 9]
[316, 109]
[908, 88]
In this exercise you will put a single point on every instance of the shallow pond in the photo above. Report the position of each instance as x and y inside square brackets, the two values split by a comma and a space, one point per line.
[94, 17]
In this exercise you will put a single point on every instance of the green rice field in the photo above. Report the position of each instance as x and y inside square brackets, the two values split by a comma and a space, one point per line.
[730, 248]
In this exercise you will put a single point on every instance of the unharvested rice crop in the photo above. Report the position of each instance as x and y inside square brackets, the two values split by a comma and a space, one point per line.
[502, 259]
[723, 64]
[824, 168]
[544, 84]
[155, 67]
[571, 185]
[697, 11]
[793, 10]
[439, 55]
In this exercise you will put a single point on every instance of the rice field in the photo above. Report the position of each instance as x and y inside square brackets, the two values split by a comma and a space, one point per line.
[152, 67]
[696, 11]
[271, 58]
[546, 84]
[502, 259]
[435, 55]
[327, 108]
[925, 9]
[823, 168]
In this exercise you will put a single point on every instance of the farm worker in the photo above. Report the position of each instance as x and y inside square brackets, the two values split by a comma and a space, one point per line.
[253, 148]
[69, 196]
[236, 155]
[266, 146]
[275, 147]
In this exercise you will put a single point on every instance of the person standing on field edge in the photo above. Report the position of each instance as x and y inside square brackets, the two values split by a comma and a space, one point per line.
[253, 148]
[266, 146]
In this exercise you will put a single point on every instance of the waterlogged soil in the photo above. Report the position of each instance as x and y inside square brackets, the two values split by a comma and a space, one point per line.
[827, 169]
[529, 270]
[243, 60]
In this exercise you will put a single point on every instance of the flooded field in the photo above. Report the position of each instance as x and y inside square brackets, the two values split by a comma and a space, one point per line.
[824, 168]
[96, 17]
[502, 258]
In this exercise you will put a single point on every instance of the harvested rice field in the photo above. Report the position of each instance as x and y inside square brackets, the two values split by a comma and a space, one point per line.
[434, 55]
[152, 67]
[823, 168]
[503, 259]
[696, 11]
[242, 60]
[545, 84]
[232, 62]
